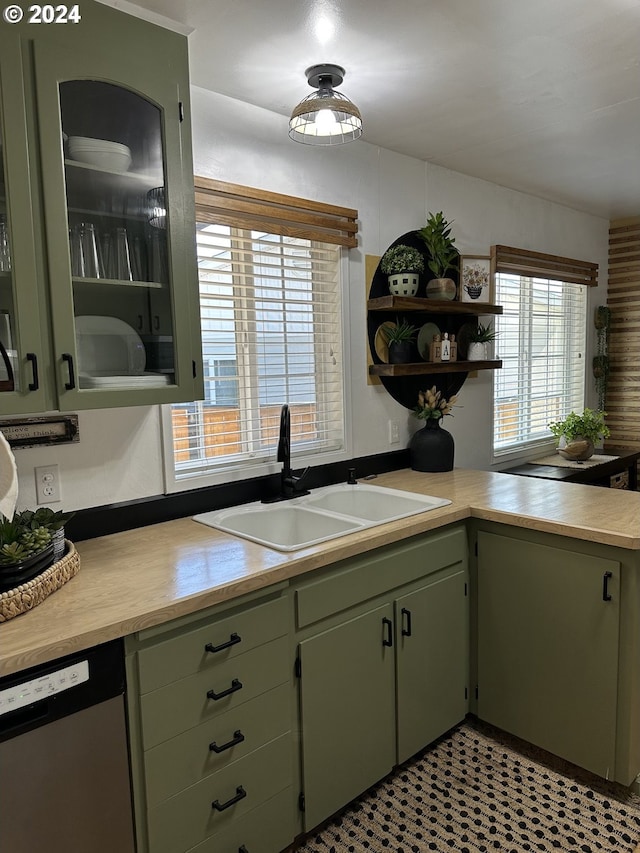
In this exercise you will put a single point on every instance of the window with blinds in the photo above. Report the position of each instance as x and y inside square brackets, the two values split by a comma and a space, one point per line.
[271, 320]
[541, 341]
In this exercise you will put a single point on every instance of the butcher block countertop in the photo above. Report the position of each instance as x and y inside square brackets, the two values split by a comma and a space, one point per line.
[144, 577]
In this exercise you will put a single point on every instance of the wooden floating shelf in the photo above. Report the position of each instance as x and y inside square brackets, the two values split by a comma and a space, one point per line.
[429, 367]
[431, 306]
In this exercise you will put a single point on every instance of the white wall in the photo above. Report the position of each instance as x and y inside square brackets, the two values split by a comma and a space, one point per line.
[119, 455]
[485, 214]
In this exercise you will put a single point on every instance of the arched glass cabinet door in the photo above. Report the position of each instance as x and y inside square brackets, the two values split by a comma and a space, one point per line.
[118, 235]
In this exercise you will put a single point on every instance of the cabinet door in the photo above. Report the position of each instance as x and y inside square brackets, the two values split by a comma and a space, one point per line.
[432, 653]
[119, 223]
[548, 648]
[347, 704]
[24, 358]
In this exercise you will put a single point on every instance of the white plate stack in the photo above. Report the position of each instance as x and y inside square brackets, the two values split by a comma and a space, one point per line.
[112, 156]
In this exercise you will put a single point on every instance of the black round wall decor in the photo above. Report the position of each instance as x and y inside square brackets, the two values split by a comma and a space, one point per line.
[404, 389]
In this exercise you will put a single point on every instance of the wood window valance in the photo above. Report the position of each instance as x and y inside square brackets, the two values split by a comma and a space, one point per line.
[523, 262]
[247, 207]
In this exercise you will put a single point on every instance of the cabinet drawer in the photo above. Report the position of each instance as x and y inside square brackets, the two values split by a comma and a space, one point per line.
[267, 829]
[190, 817]
[184, 704]
[377, 573]
[186, 654]
[186, 759]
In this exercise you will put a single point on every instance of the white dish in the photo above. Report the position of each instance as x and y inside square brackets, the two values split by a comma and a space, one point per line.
[425, 337]
[147, 380]
[107, 346]
[87, 142]
[112, 156]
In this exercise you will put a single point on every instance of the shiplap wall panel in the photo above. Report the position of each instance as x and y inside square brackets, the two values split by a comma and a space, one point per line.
[623, 300]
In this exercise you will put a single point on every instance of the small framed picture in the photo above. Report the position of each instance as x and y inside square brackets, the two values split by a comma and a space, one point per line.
[476, 281]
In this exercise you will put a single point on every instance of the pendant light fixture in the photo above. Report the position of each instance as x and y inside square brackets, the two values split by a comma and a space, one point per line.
[325, 117]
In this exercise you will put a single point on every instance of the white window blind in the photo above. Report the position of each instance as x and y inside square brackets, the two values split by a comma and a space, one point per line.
[271, 334]
[541, 341]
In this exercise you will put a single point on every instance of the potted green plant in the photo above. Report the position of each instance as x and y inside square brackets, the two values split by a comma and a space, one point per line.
[402, 265]
[25, 551]
[578, 434]
[400, 337]
[54, 521]
[443, 256]
[479, 340]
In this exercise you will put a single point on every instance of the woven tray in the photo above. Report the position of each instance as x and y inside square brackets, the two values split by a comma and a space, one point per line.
[28, 595]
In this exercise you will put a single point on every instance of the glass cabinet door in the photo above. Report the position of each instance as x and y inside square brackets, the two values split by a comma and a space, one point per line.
[118, 227]
[113, 158]
[24, 345]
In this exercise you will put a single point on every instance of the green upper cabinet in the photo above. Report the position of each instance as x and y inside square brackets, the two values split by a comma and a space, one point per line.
[109, 98]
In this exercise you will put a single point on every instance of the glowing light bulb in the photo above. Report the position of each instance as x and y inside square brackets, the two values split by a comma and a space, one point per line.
[325, 122]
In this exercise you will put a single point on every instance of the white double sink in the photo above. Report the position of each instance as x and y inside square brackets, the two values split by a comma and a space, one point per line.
[326, 513]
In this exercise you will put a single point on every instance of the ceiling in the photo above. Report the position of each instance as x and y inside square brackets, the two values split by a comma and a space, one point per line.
[542, 96]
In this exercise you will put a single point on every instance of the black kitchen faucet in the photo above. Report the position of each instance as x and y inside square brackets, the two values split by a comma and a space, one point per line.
[290, 485]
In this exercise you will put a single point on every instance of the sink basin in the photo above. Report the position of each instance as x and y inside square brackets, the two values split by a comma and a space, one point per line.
[372, 503]
[284, 526]
[325, 514]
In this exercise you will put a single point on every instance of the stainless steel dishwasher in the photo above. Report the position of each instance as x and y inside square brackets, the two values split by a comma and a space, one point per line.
[64, 768]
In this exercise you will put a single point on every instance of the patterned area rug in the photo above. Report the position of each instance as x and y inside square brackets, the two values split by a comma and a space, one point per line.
[470, 793]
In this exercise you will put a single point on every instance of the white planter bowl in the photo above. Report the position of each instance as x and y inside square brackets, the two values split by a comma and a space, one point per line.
[404, 283]
[477, 351]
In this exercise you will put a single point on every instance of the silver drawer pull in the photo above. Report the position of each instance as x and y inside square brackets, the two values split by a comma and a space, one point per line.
[232, 641]
[236, 684]
[237, 738]
[240, 795]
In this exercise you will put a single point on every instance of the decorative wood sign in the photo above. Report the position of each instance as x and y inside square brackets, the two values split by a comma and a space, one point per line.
[41, 431]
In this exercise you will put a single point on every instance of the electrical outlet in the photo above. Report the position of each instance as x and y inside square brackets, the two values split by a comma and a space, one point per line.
[394, 432]
[48, 488]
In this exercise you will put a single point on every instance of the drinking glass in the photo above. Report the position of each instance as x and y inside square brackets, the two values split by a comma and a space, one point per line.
[90, 252]
[86, 259]
[158, 269]
[123, 268]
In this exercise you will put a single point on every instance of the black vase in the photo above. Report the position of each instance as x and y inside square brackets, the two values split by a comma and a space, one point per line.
[431, 448]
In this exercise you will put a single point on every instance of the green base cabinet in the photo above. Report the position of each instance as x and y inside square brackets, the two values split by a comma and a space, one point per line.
[211, 729]
[383, 649]
[432, 654]
[548, 629]
[347, 709]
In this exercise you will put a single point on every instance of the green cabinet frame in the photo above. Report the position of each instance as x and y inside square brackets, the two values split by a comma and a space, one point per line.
[113, 47]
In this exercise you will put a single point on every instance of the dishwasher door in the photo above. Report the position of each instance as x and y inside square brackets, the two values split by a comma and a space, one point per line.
[64, 766]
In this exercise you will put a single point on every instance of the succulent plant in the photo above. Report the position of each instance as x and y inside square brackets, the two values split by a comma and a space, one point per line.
[44, 516]
[483, 334]
[28, 533]
[14, 548]
[399, 331]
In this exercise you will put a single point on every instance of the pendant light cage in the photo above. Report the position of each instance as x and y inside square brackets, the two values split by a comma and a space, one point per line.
[325, 117]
